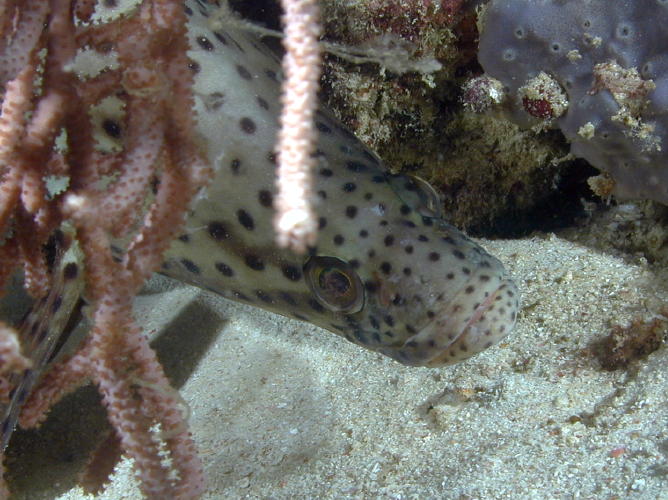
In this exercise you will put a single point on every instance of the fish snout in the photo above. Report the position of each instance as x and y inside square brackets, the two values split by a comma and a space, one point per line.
[479, 316]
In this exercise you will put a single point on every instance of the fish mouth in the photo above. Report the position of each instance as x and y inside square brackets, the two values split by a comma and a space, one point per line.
[467, 325]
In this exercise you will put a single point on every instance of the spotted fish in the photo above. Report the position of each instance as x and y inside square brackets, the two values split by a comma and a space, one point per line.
[387, 272]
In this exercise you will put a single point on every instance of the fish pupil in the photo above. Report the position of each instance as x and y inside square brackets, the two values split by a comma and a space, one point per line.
[334, 281]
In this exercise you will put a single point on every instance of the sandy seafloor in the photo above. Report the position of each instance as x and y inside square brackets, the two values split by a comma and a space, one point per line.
[282, 409]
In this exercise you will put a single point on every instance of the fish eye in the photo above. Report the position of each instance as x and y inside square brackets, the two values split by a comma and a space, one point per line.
[418, 194]
[335, 284]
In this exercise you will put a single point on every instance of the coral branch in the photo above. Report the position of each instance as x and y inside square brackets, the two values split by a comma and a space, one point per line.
[158, 143]
[295, 223]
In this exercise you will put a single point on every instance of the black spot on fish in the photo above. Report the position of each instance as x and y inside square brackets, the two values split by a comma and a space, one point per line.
[218, 231]
[291, 272]
[254, 262]
[243, 72]
[338, 240]
[240, 296]
[286, 297]
[245, 219]
[204, 42]
[264, 296]
[247, 125]
[262, 103]
[351, 211]
[70, 271]
[265, 198]
[224, 269]
[386, 267]
[194, 66]
[349, 187]
[111, 128]
[190, 266]
[355, 166]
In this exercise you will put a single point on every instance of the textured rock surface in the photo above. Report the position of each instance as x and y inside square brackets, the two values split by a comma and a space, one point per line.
[416, 121]
[611, 59]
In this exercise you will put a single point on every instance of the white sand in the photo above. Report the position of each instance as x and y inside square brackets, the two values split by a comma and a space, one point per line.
[281, 409]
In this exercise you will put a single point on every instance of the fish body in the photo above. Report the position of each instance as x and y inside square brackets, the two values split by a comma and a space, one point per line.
[387, 272]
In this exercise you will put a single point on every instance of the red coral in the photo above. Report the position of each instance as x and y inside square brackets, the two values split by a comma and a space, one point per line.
[409, 19]
[540, 108]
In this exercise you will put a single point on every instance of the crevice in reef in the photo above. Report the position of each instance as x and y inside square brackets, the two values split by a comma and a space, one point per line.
[564, 206]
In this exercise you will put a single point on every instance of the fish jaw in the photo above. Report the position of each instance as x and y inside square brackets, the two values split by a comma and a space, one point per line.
[459, 331]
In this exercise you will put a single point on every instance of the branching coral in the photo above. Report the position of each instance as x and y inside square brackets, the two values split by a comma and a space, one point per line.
[42, 101]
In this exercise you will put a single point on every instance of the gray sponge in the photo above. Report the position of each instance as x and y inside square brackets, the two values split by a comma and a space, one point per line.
[610, 58]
